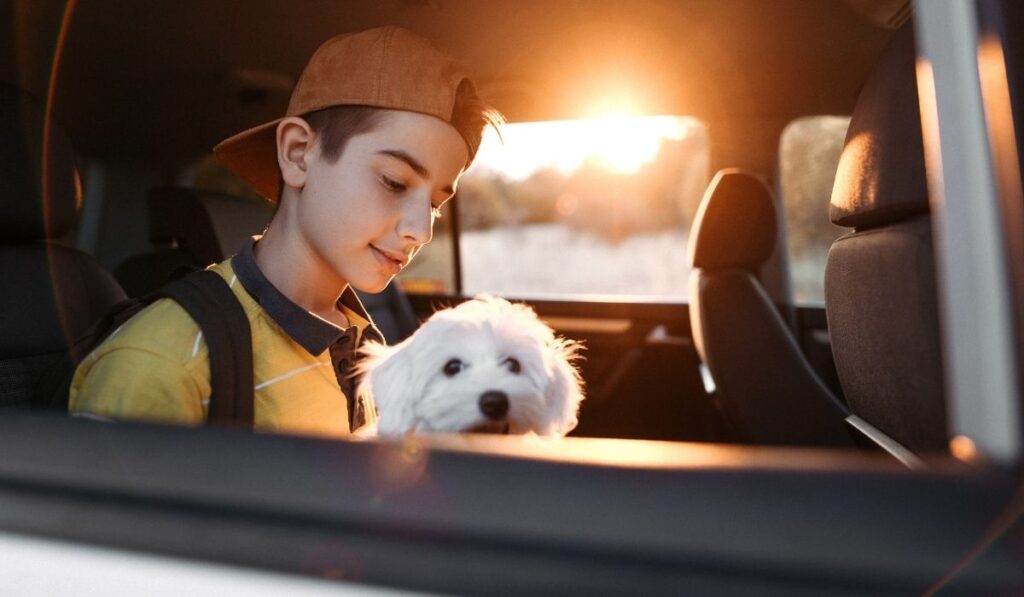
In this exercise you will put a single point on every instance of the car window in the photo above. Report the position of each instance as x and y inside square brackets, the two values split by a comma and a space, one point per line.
[433, 269]
[809, 152]
[559, 209]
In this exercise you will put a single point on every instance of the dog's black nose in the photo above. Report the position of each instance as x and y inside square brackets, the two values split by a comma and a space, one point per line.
[494, 405]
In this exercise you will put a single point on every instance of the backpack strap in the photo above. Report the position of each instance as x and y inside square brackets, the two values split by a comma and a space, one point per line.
[209, 301]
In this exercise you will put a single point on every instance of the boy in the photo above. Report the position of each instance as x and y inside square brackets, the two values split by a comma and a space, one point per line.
[378, 131]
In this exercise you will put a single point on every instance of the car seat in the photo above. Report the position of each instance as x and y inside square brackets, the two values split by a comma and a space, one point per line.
[194, 228]
[52, 293]
[880, 289]
[768, 392]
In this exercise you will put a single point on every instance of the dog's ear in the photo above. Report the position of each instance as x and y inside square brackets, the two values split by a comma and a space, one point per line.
[387, 381]
[565, 387]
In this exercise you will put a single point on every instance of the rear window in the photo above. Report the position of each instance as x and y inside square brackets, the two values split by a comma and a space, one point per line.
[809, 152]
[566, 209]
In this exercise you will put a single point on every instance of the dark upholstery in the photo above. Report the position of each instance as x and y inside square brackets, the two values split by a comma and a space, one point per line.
[212, 226]
[765, 386]
[52, 294]
[142, 274]
[391, 312]
[880, 178]
[22, 165]
[196, 228]
[880, 279]
[738, 228]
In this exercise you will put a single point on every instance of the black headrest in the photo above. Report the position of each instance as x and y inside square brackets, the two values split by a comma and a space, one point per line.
[735, 225]
[210, 225]
[25, 214]
[881, 176]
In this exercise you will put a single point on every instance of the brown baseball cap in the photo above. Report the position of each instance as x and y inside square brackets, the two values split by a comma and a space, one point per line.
[387, 67]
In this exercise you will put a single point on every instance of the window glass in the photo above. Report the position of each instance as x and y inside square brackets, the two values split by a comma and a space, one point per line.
[809, 155]
[584, 207]
[433, 269]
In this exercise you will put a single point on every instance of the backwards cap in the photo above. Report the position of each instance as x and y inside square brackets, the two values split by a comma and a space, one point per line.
[387, 67]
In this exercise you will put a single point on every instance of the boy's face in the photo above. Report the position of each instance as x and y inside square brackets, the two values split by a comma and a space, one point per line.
[367, 214]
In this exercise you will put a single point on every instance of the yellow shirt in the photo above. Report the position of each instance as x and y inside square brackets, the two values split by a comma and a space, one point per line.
[156, 367]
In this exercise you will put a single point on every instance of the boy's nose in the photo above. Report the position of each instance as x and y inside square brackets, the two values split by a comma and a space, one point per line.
[417, 223]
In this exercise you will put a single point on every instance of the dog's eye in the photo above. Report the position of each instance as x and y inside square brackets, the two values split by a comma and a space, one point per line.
[452, 367]
[513, 365]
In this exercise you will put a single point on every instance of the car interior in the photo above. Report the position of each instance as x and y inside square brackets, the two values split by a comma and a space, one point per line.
[734, 437]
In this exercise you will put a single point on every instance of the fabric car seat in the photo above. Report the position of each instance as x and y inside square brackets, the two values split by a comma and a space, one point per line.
[880, 290]
[765, 387]
[198, 227]
[52, 293]
[194, 228]
[392, 313]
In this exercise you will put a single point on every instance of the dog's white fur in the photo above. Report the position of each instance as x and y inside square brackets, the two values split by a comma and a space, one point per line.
[413, 393]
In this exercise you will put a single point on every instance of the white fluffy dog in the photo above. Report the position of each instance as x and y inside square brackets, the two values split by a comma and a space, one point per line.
[485, 366]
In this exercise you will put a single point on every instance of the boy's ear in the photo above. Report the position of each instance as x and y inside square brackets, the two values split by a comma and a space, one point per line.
[294, 146]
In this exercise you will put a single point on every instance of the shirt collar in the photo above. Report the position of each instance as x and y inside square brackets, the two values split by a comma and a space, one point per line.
[314, 334]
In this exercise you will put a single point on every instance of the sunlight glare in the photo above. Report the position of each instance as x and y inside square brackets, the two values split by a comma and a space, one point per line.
[616, 141]
[622, 144]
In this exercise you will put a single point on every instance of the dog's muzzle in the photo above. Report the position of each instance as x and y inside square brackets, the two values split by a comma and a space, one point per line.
[494, 406]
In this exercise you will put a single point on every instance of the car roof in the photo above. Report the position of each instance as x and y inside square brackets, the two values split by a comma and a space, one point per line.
[168, 80]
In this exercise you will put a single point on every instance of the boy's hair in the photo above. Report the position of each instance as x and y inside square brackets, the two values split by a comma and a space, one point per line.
[334, 126]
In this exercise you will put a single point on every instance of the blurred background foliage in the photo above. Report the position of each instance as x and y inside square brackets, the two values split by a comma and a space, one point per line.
[663, 193]
[809, 153]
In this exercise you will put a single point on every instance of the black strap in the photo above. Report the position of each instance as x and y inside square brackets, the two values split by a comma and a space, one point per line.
[209, 301]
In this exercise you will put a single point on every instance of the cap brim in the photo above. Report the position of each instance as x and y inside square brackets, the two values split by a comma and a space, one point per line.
[252, 155]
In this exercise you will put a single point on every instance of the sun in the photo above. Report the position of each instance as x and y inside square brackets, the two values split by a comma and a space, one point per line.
[622, 143]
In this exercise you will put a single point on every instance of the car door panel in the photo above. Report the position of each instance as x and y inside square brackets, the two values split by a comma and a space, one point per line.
[581, 516]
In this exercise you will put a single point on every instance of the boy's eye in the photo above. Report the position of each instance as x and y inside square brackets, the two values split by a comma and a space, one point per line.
[392, 185]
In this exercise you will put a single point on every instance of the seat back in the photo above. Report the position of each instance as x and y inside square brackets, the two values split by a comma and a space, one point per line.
[880, 287]
[766, 388]
[52, 293]
[392, 313]
[209, 225]
[195, 228]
